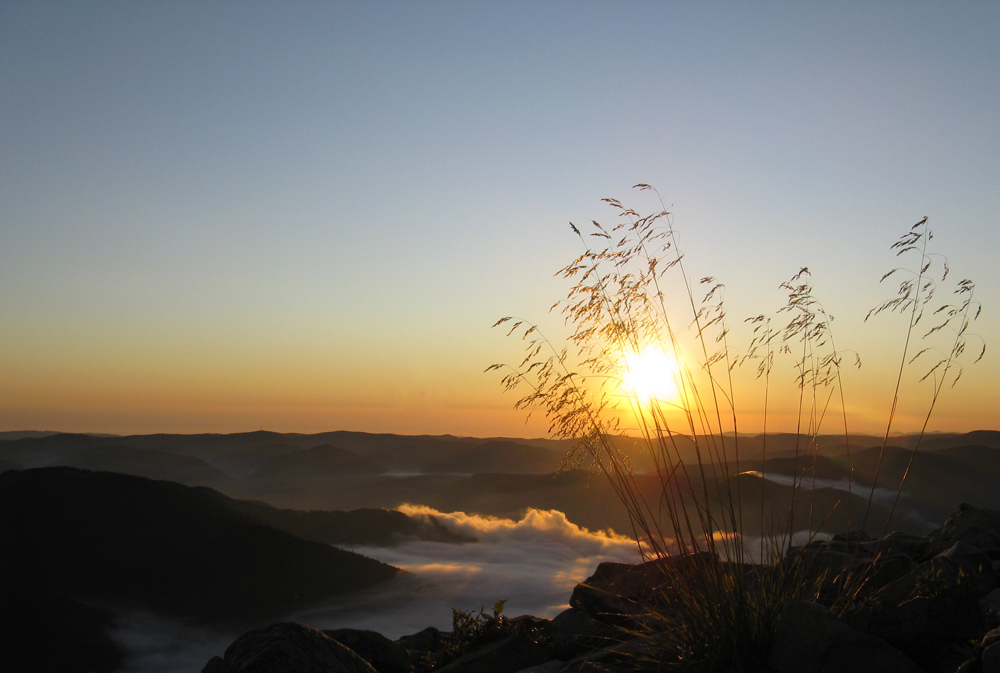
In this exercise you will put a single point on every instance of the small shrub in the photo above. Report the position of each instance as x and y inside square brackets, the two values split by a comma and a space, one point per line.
[471, 630]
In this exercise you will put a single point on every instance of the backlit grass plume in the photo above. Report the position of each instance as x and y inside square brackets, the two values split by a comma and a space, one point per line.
[631, 302]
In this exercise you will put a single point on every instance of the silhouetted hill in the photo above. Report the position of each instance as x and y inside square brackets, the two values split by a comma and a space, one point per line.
[111, 455]
[368, 527]
[446, 453]
[43, 631]
[149, 463]
[989, 438]
[826, 468]
[50, 449]
[21, 434]
[317, 462]
[244, 460]
[936, 480]
[499, 456]
[163, 546]
[294, 471]
[240, 454]
[979, 458]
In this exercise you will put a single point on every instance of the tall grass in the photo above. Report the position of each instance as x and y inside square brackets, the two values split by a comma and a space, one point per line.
[721, 559]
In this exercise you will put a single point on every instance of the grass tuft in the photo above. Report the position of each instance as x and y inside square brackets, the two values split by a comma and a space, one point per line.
[727, 572]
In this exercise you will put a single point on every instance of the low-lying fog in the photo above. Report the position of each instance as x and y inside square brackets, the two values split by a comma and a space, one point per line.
[533, 564]
[879, 495]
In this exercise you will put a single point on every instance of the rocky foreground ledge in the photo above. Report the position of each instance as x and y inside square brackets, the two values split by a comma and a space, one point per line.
[934, 608]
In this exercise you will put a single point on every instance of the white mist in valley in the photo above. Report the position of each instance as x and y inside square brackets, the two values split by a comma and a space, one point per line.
[879, 495]
[532, 563]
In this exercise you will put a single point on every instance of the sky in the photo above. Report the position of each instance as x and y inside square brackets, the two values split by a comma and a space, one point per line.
[306, 217]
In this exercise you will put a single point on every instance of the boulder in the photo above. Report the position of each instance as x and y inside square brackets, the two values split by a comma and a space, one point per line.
[384, 655]
[972, 525]
[992, 601]
[587, 666]
[512, 653]
[422, 642]
[554, 666]
[630, 655]
[574, 632]
[215, 665]
[290, 647]
[990, 646]
[811, 639]
[619, 590]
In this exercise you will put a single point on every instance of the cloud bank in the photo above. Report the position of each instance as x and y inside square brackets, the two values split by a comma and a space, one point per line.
[533, 563]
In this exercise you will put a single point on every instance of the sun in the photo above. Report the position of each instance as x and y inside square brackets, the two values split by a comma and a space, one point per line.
[651, 375]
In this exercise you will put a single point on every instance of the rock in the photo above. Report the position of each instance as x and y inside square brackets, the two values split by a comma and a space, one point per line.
[630, 655]
[574, 632]
[290, 647]
[929, 612]
[856, 535]
[992, 601]
[811, 639]
[976, 564]
[215, 665]
[421, 643]
[554, 666]
[618, 590]
[586, 666]
[512, 653]
[991, 659]
[972, 525]
[961, 565]
[890, 567]
[914, 546]
[596, 595]
[384, 655]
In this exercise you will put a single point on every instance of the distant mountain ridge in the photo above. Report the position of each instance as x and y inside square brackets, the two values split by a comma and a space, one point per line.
[240, 455]
[502, 477]
[235, 455]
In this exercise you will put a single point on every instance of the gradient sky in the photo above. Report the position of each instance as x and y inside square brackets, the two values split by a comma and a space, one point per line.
[305, 217]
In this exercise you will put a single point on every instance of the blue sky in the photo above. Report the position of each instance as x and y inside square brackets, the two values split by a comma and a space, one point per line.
[306, 216]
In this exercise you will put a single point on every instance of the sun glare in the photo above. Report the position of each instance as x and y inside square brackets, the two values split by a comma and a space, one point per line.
[651, 374]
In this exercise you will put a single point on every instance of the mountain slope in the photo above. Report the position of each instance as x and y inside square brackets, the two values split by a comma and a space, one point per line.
[162, 546]
[319, 461]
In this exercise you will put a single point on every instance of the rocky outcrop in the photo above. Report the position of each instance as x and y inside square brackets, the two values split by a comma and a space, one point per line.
[809, 638]
[917, 605]
[384, 655]
[288, 647]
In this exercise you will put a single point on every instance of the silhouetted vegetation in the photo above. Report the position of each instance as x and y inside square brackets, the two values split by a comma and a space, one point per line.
[632, 295]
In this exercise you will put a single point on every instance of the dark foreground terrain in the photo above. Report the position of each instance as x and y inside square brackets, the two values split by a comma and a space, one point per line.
[241, 528]
[931, 605]
[502, 477]
[77, 544]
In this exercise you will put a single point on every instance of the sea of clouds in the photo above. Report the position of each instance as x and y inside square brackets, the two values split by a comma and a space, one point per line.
[532, 563]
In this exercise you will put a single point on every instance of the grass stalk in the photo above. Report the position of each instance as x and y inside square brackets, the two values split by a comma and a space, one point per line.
[720, 604]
